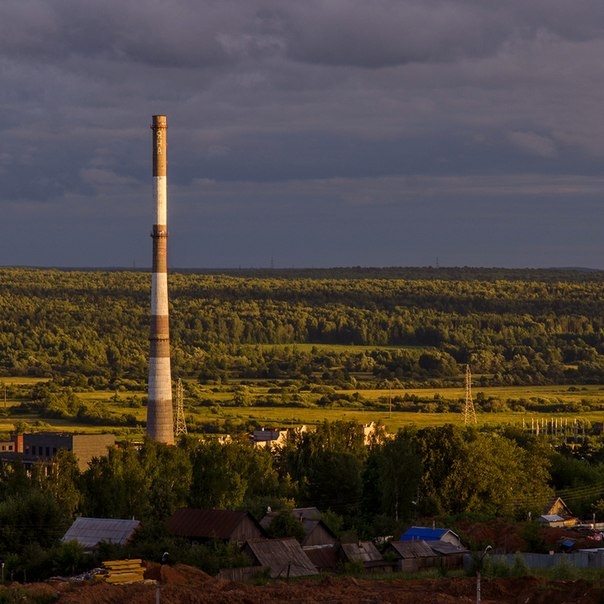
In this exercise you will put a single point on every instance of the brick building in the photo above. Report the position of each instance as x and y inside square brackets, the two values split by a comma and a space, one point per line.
[40, 447]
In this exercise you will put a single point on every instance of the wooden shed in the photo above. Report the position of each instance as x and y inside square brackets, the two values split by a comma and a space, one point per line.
[412, 556]
[364, 552]
[284, 557]
[206, 525]
[316, 532]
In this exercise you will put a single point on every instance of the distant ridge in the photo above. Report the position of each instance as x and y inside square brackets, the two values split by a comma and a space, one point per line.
[465, 273]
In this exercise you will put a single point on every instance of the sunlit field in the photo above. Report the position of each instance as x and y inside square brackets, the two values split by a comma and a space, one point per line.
[215, 404]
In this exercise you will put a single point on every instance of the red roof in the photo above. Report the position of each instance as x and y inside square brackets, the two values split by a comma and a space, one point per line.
[208, 524]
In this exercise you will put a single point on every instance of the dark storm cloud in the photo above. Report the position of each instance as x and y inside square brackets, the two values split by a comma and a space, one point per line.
[333, 127]
[393, 32]
[157, 33]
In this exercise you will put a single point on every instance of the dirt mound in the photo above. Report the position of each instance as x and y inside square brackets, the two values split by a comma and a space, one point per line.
[181, 584]
[179, 574]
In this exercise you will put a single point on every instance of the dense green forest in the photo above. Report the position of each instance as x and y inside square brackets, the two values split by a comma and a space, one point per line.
[416, 326]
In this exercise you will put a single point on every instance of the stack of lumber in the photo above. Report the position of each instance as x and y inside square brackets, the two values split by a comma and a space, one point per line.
[124, 571]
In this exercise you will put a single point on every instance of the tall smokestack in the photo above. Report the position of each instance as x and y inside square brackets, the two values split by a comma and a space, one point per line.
[160, 426]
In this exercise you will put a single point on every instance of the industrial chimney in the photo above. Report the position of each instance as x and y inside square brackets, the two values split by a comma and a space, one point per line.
[160, 426]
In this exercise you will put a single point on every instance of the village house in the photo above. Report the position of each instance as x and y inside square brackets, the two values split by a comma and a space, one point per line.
[557, 514]
[424, 533]
[201, 526]
[411, 556]
[424, 547]
[268, 438]
[316, 532]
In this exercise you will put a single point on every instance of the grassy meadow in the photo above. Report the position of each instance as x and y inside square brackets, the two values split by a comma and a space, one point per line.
[214, 404]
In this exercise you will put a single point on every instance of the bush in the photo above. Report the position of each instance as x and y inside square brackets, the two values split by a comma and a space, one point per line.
[520, 569]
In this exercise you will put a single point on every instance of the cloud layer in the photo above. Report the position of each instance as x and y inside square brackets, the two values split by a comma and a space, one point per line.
[329, 132]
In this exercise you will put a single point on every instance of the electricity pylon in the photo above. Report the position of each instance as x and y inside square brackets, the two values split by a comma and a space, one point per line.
[469, 415]
[181, 425]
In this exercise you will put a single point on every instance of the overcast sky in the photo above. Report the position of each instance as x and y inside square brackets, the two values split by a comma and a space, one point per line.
[311, 133]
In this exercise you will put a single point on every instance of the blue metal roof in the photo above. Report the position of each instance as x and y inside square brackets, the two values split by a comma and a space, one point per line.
[423, 533]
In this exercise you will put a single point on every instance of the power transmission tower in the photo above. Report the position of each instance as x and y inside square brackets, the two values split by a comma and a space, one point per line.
[181, 425]
[469, 415]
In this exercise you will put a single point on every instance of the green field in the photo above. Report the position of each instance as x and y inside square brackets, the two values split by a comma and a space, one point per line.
[213, 404]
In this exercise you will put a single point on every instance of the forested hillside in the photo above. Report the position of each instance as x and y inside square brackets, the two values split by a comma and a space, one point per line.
[413, 325]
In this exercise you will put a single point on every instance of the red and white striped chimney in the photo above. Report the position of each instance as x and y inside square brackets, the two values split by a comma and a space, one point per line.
[160, 423]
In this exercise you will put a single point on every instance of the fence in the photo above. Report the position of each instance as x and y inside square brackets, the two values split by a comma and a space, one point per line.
[583, 559]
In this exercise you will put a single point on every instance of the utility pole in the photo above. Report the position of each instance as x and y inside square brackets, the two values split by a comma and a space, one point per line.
[487, 549]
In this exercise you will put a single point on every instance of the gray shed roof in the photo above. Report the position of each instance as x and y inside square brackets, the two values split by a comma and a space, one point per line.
[284, 557]
[89, 532]
[446, 549]
[412, 549]
[550, 518]
[362, 551]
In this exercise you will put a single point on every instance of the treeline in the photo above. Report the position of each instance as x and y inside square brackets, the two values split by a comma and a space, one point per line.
[96, 323]
[363, 490]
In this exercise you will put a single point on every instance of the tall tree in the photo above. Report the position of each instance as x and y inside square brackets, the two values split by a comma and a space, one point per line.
[400, 472]
[498, 478]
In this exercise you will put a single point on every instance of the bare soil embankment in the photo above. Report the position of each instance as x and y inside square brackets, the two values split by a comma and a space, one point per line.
[185, 585]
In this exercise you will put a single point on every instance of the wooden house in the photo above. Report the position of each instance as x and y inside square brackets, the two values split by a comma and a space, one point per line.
[557, 514]
[415, 555]
[316, 532]
[206, 525]
[410, 556]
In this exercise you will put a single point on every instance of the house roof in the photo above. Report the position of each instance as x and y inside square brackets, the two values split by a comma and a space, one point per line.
[309, 513]
[284, 557]
[311, 525]
[309, 517]
[89, 532]
[362, 551]
[425, 533]
[444, 548]
[267, 519]
[557, 506]
[412, 549]
[301, 514]
[207, 524]
[265, 435]
[550, 518]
